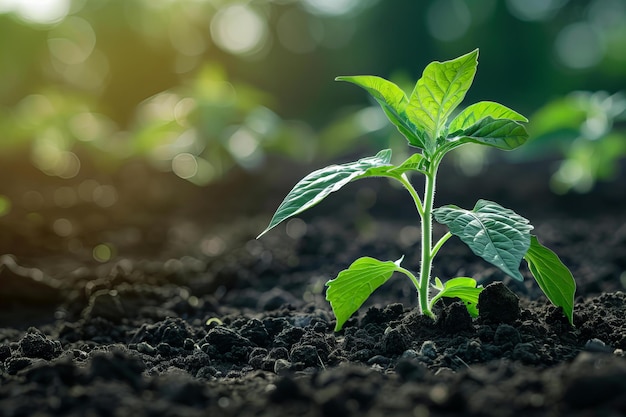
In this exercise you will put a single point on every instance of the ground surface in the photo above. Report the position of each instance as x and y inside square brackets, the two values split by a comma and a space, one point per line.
[193, 316]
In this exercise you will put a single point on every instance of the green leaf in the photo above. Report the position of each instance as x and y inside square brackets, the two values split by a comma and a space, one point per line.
[499, 133]
[319, 184]
[497, 234]
[480, 110]
[354, 285]
[553, 277]
[393, 102]
[440, 90]
[415, 162]
[466, 289]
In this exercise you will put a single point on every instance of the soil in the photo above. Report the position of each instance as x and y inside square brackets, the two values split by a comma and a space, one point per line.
[193, 316]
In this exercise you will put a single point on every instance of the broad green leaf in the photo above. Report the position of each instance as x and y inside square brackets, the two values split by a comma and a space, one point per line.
[497, 234]
[480, 110]
[440, 90]
[553, 277]
[319, 184]
[393, 102]
[415, 162]
[354, 285]
[499, 133]
[466, 289]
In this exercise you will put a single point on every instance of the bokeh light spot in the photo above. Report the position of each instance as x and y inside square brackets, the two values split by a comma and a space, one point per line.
[185, 165]
[86, 189]
[32, 109]
[533, 10]
[105, 195]
[263, 121]
[87, 126]
[62, 227]
[205, 173]
[73, 41]
[182, 110]
[296, 228]
[371, 119]
[38, 11]
[68, 166]
[239, 29]
[579, 46]
[409, 235]
[103, 252]
[448, 20]
[331, 7]
[212, 246]
[54, 161]
[607, 13]
[159, 107]
[243, 144]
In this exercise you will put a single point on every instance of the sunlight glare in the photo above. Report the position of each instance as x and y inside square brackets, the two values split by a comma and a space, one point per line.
[37, 11]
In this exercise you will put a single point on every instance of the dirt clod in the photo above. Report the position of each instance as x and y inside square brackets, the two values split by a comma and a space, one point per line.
[498, 304]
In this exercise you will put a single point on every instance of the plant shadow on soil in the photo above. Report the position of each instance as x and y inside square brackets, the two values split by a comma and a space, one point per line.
[196, 317]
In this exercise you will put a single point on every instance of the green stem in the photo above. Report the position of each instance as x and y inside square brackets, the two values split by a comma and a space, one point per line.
[440, 243]
[410, 275]
[416, 198]
[425, 209]
[428, 252]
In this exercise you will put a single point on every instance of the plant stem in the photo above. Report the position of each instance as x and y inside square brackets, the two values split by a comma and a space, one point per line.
[428, 252]
[425, 208]
[440, 243]
[409, 274]
[416, 198]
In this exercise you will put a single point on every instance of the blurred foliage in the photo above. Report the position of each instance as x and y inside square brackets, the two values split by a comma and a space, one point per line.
[588, 130]
[5, 205]
[198, 86]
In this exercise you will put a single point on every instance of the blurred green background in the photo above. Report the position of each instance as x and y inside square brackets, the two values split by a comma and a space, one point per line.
[197, 88]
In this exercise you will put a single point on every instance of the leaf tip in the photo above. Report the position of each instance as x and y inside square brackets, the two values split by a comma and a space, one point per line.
[267, 229]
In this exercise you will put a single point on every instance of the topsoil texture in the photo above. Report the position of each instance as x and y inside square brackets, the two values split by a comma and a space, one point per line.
[192, 316]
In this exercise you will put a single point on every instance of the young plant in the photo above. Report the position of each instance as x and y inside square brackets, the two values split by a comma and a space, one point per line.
[497, 234]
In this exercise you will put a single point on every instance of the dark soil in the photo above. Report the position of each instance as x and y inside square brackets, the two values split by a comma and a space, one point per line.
[192, 316]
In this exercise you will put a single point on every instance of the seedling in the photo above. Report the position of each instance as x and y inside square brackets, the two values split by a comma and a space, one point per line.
[497, 234]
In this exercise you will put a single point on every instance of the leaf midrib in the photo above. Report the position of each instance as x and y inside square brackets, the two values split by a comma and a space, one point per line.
[486, 230]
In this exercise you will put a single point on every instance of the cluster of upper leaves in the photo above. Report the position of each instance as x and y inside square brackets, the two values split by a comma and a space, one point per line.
[498, 235]
[422, 117]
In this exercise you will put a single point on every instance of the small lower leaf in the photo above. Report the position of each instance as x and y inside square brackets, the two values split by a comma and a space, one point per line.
[354, 285]
[466, 289]
[553, 277]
